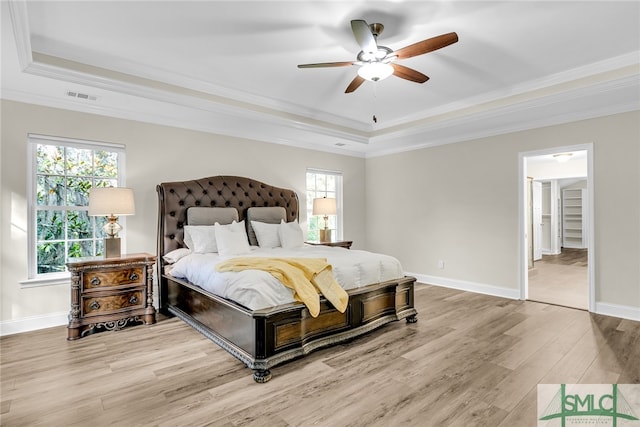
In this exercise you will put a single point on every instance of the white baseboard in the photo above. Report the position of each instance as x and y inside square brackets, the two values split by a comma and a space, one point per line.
[607, 309]
[550, 252]
[26, 324]
[615, 310]
[479, 288]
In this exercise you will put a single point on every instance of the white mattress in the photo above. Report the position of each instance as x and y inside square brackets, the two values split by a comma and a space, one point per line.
[256, 289]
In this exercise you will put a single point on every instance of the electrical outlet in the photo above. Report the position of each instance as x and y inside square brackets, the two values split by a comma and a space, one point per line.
[441, 264]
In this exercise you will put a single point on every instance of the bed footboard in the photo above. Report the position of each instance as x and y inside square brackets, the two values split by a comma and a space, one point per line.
[262, 339]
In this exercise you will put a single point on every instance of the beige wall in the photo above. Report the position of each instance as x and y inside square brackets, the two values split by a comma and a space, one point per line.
[154, 154]
[459, 203]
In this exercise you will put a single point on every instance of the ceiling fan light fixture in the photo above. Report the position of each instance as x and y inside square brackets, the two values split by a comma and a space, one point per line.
[375, 71]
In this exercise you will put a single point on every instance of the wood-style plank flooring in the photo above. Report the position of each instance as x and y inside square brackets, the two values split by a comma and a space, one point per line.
[567, 256]
[561, 279]
[471, 360]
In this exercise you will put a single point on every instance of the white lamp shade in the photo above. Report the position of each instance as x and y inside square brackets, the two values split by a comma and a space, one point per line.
[324, 206]
[108, 201]
[375, 71]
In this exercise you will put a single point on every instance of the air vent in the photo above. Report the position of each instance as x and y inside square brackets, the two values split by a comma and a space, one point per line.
[81, 95]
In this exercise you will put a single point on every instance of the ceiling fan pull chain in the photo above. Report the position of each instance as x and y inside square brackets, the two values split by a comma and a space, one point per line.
[375, 101]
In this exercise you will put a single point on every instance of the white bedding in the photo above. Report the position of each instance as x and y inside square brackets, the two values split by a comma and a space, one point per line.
[258, 289]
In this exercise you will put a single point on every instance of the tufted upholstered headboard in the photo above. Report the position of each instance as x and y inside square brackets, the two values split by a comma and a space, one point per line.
[174, 198]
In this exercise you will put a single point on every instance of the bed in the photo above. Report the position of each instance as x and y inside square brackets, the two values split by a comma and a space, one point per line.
[263, 336]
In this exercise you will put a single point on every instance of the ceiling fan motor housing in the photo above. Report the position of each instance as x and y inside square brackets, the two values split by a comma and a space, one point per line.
[376, 56]
[376, 29]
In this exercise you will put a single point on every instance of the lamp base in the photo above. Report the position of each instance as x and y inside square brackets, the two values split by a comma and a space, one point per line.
[325, 235]
[112, 247]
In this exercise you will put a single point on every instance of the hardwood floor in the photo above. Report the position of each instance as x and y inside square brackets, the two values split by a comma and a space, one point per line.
[471, 360]
[568, 256]
[561, 279]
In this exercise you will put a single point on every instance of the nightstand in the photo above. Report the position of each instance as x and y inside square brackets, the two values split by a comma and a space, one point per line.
[109, 293]
[341, 243]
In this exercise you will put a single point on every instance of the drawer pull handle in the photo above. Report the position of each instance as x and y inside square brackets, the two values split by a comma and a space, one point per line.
[133, 299]
[133, 276]
[95, 281]
[94, 305]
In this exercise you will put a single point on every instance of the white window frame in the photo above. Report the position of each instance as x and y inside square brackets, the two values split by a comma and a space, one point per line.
[42, 279]
[338, 235]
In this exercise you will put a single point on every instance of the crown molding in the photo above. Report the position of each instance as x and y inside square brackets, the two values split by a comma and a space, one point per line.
[198, 100]
[535, 100]
[487, 132]
[70, 53]
[168, 99]
[198, 120]
[21, 31]
[610, 65]
[483, 123]
[569, 101]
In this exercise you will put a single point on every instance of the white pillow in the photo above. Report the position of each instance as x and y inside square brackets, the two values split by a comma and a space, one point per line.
[188, 242]
[232, 239]
[175, 255]
[267, 234]
[200, 238]
[291, 235]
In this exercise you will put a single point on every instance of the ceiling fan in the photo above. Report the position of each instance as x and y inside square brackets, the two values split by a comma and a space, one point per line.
[377, 62]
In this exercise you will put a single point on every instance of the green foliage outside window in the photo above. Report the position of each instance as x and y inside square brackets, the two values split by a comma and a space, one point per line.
[64, 176]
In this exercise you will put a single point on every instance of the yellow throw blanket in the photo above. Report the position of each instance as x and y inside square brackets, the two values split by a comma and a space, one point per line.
[305, 276]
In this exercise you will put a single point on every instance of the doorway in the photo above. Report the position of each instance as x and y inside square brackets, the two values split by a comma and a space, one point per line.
[556, 226]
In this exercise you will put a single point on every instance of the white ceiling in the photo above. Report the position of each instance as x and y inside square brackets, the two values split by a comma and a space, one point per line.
[230, 66]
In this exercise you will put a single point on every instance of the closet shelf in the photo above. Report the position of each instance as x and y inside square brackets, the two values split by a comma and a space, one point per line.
[573, 218]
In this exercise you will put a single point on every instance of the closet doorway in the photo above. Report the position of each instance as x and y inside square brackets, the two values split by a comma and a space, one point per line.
[557, 227]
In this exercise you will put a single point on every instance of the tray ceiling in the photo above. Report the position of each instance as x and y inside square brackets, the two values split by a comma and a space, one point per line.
[213, 65]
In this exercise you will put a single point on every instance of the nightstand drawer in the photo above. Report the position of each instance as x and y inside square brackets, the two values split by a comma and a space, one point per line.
[104, 278]
[98, 305]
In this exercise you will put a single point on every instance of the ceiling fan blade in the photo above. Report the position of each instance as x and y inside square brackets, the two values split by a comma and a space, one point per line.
[355, 84]
[326, 64]
[364, 36]
[425, 46]
[408, 73]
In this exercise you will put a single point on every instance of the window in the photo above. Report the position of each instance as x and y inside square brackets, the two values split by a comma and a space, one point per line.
[321, 183]
[61, 173]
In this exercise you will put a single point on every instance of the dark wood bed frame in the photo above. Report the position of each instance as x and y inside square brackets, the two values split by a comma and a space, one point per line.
[263, 338]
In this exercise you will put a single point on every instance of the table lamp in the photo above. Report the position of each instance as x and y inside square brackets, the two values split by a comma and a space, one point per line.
[324, 206]
[111, 202]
